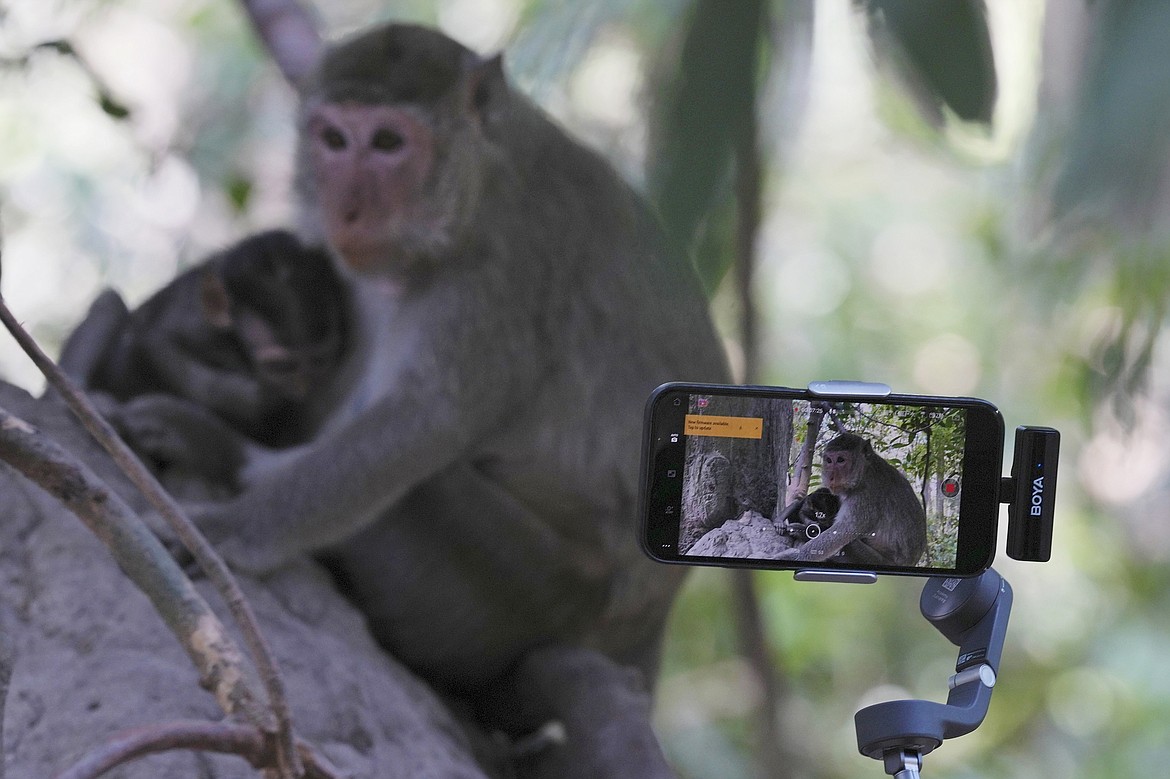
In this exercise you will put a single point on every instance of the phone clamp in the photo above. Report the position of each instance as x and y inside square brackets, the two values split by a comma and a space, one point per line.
[973, 614]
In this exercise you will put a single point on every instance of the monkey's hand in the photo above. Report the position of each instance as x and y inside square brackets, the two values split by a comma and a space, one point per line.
[224, 531]
[181, 440]
[221, 532]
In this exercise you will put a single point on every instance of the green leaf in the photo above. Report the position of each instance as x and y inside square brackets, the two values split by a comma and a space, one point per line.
[1121, 130]
[709, 102]
[943, 50]
[112, 107]
[239, 191]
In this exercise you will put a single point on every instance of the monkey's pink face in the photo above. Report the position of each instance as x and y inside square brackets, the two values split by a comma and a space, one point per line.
[837, 471]
[371, 164]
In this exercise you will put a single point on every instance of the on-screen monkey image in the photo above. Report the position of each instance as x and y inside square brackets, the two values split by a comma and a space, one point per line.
[810, 516]
[880, 520]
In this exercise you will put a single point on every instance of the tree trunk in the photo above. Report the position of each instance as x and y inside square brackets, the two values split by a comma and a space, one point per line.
[734, 475]
[802, 470]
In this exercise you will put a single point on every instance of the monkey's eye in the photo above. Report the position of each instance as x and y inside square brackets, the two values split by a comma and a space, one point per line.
[333, 138]
[386, 140]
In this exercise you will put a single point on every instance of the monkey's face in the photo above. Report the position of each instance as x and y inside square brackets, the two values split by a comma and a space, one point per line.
[285, 309]
[371, 166]
[839, 470]
[287, 367]
[393, 149]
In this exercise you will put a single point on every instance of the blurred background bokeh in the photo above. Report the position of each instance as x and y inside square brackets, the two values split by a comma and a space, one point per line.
[951, 198]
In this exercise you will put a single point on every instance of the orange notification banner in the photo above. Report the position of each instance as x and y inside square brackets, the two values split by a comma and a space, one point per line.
[724, 427]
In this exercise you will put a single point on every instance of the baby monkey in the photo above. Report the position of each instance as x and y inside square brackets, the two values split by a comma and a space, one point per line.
[251, 334]
[809, 517]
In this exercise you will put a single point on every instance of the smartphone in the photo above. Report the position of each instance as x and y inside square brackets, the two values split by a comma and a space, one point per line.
[792, 479]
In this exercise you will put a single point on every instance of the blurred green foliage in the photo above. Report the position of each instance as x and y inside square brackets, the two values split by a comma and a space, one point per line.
[1024, 262]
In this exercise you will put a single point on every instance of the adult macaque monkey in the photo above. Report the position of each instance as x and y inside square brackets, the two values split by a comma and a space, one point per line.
[516, 303]
[880, 519]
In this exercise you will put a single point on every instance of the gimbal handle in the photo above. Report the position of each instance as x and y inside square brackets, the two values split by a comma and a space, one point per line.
[973, 614]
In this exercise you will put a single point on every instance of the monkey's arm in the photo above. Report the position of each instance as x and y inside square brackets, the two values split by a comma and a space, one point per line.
[180, 436]
[845, 530]
[460, 576]
[454, 373]
[234, 395]
[790, 511]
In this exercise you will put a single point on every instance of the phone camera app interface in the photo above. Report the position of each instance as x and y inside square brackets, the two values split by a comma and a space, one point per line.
[843, 483]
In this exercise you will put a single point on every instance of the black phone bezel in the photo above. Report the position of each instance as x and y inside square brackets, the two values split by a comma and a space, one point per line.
[981, 477]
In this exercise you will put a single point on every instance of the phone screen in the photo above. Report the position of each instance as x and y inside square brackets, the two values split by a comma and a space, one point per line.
[782, 478]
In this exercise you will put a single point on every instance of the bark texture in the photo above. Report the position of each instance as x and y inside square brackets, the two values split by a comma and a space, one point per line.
[92, 658]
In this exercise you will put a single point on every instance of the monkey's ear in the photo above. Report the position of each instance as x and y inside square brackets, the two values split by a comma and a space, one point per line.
[486, 88]
[214, 300]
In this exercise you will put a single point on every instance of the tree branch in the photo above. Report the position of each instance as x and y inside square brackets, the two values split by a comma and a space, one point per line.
[289, 32]
[143, 558]
[225, 738]
[804, 461]
[109, 103]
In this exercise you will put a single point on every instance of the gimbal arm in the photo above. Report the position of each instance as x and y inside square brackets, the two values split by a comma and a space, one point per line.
[973, 614]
